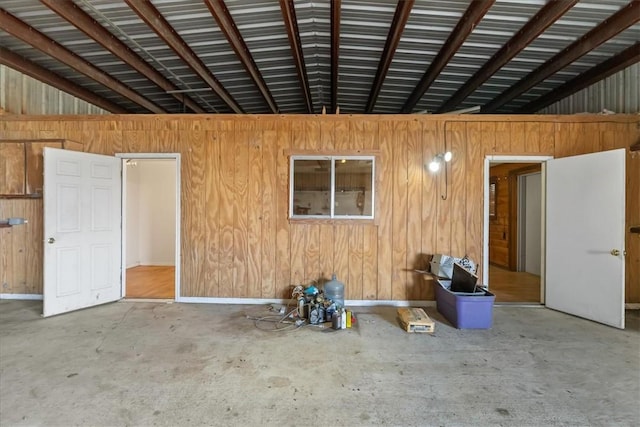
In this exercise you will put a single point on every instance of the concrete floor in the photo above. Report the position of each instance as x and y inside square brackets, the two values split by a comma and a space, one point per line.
[137, 363]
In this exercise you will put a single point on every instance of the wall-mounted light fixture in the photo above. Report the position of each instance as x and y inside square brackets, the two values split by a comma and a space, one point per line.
[440, 158]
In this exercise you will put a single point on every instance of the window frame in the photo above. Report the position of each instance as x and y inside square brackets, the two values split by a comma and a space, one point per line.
[333, 158]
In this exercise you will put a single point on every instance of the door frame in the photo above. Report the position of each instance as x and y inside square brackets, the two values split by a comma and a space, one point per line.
[151, 156]
[485, 234]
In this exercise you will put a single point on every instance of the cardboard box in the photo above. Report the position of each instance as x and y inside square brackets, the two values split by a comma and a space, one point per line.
[415, 320]
[465, 311]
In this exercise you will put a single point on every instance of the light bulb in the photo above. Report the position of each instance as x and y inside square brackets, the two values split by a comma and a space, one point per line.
[448, 156]
[434, 166]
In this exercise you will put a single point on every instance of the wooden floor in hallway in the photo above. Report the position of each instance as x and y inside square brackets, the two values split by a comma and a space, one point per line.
[150, 281]
[514, 286]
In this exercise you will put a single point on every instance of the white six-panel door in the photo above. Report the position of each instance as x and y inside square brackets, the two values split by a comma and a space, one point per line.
[585, 236]
[82, 237]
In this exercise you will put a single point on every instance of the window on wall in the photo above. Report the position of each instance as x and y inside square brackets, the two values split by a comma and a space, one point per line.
[332, 187]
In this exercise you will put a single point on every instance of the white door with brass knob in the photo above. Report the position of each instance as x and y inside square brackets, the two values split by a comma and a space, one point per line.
[82, 217]
[585, 231]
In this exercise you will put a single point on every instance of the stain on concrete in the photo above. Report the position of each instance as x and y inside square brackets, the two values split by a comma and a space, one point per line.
[279, 381]
[186, 348]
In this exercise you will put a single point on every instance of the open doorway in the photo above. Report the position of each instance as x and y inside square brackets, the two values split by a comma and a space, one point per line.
[513, 248]
[582, 267]
[150, 226]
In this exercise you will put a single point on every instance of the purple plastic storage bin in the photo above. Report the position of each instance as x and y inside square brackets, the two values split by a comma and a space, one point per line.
[465, 311]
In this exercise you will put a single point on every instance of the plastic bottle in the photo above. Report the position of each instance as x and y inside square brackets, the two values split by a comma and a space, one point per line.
[336, 321]
[334, 290]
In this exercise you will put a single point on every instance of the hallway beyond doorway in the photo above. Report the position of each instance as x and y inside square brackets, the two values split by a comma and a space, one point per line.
[147, 281]
[514, 286]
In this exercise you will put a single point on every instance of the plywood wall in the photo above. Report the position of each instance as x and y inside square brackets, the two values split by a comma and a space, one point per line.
[21, 248]
[499, 225]
[237, 240]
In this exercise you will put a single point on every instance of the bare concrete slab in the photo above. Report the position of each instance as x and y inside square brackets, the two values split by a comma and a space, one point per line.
[189, 364]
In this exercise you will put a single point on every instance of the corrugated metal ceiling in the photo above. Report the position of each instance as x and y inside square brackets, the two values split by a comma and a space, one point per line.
[364, 30]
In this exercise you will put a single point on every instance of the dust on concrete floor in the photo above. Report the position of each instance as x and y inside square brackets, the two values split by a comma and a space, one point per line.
[135, 363]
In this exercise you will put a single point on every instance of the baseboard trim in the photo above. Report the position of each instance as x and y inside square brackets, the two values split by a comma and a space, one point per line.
[156, 264]
[255, 301]
[36, 297]
[151, 264]
[246, 301]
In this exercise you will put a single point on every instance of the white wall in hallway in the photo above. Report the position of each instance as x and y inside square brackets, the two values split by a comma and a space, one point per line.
[151, 210]
[533, 220]
[133, 214]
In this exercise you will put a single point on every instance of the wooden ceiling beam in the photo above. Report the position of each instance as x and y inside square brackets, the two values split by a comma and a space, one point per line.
[546, 16]
[291, 24]
[336, 6]
[400, 17]
[615, 24]
[226, 23]
[77, 17]
[154, 19]
[622, 60]
[43, 43]
[472, 16]
[19, 63]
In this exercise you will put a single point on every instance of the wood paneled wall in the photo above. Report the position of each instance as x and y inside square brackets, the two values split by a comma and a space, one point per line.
[21, 247]
[499, 226]
[237, 240]
[503, 229]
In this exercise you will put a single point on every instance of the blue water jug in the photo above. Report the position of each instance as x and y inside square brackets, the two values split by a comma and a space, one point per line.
[334, 290]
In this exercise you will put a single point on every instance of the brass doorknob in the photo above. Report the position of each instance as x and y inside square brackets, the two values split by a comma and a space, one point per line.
[51, 240]
[615, 252]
